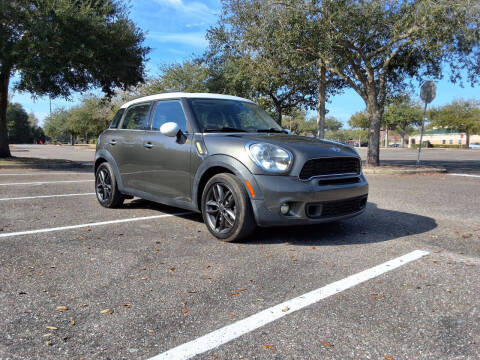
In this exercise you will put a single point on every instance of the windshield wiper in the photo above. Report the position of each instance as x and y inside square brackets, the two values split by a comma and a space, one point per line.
[224, 129]
[270, 130]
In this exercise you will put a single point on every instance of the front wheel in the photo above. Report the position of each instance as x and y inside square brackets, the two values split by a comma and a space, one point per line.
[106, 187]
[226, 208]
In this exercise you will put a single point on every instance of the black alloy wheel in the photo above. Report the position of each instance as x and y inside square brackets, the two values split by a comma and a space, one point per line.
[220, 208]
[226, 208]
[106, 187]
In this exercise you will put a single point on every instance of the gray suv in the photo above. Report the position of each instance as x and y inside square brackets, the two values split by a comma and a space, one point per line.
[225, 157]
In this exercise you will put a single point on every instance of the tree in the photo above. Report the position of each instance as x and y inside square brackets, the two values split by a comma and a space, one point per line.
[376, 46]
[56, 47]
[189, 76]
[19, 129]
[359, 120]
[266, 35]
[402, 115]
[461, 115]
[32, 120]
[332, 124]
[247, 46]
[56, 124]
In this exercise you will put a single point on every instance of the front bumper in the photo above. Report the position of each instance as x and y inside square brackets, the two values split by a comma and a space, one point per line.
[306, 200]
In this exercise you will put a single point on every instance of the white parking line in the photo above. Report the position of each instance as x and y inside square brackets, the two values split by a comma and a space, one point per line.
[44, 196]
[466, 175]
[239, 328]
[45, 182]
[44, 173]
[38, 231]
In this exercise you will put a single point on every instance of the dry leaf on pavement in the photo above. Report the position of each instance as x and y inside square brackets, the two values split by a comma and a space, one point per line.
[326, 343]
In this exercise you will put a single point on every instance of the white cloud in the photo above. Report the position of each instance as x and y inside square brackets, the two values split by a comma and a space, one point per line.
[195, 24]
[196, 39]
[191, 9]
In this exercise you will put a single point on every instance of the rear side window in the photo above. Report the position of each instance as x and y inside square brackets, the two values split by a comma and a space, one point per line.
[136, 117]
[169, 111]
[116, 119]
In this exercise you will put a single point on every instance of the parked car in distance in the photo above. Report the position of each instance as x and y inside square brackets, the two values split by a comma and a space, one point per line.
[475, 145]
[225, 157]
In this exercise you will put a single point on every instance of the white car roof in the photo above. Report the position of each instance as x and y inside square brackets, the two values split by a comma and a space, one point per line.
[177, 95]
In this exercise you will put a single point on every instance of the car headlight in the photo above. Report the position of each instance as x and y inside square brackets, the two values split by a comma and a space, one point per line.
[270, 157]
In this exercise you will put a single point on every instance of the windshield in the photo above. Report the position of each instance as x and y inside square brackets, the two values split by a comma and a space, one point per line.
[218, 115]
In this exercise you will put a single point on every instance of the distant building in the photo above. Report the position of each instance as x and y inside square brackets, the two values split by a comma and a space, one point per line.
[441, 137]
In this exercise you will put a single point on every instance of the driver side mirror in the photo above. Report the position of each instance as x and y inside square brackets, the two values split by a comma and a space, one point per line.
[170, 129]
[287, 131]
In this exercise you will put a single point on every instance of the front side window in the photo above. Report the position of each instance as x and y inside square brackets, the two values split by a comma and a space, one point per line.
[169, 111]
[216, 115]
[136, 117]
[116, 119]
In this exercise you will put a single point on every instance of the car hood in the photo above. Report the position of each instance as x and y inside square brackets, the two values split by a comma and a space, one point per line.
[303, 148]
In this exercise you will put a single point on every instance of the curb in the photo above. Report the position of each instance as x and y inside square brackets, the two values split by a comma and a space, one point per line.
[399, 170]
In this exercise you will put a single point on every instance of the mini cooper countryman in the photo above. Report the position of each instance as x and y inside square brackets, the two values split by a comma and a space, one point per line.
[225, 157]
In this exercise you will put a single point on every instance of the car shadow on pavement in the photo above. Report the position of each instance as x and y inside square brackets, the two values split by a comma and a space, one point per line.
[138, 203]
[374, 225]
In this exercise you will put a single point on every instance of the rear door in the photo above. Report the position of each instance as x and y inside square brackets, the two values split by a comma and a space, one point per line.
[127, 144]
[166, 160]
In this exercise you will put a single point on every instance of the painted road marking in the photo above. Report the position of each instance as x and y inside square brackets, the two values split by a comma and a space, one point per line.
[38, 231]
[44, 196]
[45, 182]
[46, 173]
[467, 175]
[239, 328]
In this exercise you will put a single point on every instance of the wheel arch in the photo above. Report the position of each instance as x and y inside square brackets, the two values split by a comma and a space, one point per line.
[104, 156]
[218, 164]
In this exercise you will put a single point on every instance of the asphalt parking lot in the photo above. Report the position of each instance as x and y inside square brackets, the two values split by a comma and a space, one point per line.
[83, 282]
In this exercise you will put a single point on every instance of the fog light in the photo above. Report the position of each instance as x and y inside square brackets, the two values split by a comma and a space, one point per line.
[284, 208]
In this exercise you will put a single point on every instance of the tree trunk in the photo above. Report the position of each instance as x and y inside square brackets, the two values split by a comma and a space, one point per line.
[375, 115]
[73, 140]
[322, 96]
[279, 115]
[467, 139]
[4, 81]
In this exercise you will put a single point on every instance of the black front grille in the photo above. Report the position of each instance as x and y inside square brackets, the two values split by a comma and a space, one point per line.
[336, 208]
[330, 166]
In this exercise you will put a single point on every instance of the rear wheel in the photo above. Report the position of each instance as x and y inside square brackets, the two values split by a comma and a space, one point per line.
[226, 208]
[106, 187]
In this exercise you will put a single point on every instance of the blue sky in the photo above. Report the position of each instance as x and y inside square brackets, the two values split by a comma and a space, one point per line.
[176, 31]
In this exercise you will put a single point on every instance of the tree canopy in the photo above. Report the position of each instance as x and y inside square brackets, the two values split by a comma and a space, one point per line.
[56, 47]
[377, 47]
[21, 128]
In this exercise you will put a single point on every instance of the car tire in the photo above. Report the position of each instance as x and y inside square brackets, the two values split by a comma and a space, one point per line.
[106, 187]
[226, 220]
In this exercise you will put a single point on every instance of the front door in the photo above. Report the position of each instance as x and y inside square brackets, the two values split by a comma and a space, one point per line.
[166, 160]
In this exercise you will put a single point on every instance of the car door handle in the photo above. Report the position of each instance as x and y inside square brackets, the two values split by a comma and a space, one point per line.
[148, 145]
[112, 142]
